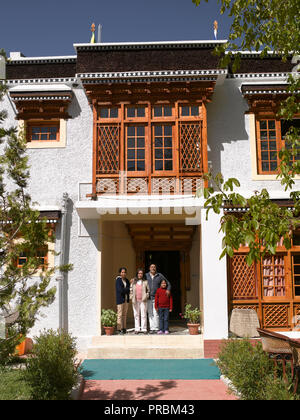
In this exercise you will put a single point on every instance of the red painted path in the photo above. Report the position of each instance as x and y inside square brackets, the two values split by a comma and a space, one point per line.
[156, 390]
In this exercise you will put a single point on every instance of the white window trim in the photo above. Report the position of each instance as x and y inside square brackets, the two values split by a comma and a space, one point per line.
[47, 144]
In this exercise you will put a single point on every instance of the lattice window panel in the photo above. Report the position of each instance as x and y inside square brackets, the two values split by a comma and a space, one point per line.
[107, 186]
[190, 185]
[191, 147]
[163, 186]
[108, 149]
[243, 279]
[276, 315]
[137, 185]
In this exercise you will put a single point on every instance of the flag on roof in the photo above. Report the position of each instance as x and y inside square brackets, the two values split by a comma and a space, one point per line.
[215, 29]
[93, 27]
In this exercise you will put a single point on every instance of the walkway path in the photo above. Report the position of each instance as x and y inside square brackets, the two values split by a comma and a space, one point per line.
[155, 379]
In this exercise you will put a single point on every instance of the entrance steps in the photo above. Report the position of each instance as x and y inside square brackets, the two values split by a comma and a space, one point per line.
[146, 347]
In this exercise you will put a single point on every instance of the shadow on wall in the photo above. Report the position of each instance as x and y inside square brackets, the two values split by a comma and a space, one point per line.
[74, 109]
[225, 122]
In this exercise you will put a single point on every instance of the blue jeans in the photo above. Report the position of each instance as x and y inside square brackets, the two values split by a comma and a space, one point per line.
[163, 319]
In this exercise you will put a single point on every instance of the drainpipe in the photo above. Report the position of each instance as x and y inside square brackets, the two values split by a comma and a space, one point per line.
[61, 278]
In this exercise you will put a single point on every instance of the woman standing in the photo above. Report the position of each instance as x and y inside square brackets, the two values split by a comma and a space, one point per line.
[139, 294]
[122, 295]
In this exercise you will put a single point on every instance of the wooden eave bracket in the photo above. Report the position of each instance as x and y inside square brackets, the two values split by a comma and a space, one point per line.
[31, 108]
[94, 92]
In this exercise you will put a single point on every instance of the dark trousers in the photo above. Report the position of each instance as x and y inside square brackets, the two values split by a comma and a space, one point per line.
[163, 319]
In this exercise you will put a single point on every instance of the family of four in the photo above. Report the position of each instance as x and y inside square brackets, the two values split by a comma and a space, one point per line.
[150, 295]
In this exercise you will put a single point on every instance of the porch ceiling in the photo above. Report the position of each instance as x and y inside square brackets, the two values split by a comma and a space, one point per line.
[177, 236]
[131, 207]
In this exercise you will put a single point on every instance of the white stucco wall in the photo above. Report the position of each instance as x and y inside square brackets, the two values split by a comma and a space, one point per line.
[55, 171]
[215, 312]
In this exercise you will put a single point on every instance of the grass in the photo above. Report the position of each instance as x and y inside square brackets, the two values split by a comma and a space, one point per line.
[12, 385]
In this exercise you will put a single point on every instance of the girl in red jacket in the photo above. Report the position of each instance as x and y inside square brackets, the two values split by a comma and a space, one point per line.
[164, 305]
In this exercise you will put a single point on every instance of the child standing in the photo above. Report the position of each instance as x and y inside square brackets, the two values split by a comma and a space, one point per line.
[164, 305]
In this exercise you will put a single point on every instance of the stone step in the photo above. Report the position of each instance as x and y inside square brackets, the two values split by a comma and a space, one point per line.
[146, 347]
[103, 352]
[149, 340]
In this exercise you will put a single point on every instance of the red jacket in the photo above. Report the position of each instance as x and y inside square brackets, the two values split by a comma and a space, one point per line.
[162, 300]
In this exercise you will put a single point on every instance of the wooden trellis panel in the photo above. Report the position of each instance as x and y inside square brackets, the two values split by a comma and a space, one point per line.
[191, 147]
[276, 315]
[243, 279]
[108, 149]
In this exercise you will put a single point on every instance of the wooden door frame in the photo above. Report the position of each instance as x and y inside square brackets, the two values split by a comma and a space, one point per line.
[185, 281]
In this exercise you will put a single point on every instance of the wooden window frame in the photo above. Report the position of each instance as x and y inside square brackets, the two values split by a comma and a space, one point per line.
[286, 286]
[149, 121]
[136, 119]
[163, 172]
[188, 117]
[280, 141]
[42, 266]
[163, 117]
[262, 303]
[30, 124]
[294, 286]
[136, 173]
[109, 119]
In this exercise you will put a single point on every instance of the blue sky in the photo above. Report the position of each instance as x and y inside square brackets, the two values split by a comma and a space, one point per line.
[41, 28]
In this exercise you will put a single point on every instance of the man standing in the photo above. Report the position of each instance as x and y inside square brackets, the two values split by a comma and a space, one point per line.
[154, 278]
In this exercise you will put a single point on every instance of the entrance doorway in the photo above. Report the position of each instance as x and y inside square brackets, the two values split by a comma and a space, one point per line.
[168, 263]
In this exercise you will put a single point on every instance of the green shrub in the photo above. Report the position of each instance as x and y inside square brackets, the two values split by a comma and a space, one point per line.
[251, 372]
[8, 345]
[51, 370]
[108, 318]
[192, 315]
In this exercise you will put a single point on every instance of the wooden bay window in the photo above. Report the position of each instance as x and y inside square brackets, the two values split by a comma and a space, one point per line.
[271, 287]
[158, 143]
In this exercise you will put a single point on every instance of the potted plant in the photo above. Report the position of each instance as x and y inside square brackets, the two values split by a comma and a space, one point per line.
[109, 321]
[193, 318]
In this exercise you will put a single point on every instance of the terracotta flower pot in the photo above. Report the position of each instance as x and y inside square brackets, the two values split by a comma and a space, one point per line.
[109, 330]
[193, 329]
[25, 347]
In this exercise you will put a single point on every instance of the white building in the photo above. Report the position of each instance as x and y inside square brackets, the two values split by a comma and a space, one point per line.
[128, 130]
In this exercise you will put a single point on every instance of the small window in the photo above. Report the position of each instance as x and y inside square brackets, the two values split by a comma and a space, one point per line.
[285, 126]
[189, 111]
[135, 149]
[42, 255]
[268, 153]
[163, 148]
[43, 132]
[273, 276]
[162, 111]
[136, 112]
[296, 273]
[107, 113]
[296, 238]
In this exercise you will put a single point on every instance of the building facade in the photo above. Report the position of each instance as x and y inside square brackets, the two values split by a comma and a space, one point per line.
[128, 130]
